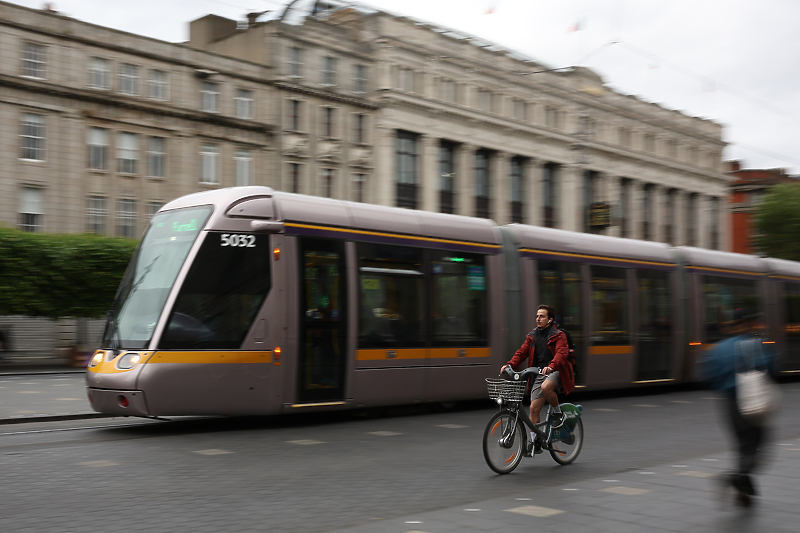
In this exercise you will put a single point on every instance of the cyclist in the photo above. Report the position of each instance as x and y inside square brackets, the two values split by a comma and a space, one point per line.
[546, 347]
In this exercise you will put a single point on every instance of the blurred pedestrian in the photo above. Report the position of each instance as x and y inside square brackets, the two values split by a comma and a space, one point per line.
[744, 350]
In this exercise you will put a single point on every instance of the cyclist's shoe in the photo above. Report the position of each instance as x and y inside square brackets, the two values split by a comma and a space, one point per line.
[557, 420]
[532, 448]
[537, 448]
[528, 451]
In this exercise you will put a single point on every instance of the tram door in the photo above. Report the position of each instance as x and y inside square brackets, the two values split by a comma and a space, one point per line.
[323, 330]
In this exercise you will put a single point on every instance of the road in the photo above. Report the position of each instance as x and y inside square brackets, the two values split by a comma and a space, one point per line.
[352, 472]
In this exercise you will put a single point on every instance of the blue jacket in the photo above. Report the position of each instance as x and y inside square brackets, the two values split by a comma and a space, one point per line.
[719, 365]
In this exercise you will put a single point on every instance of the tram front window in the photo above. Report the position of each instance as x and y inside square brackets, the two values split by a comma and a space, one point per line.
[151, 275]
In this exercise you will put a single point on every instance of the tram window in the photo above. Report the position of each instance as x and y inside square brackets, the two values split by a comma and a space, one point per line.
[225, 287]
[791, 292]
[391, 285]
[609, 307]
[151, 274]
[722, 297]
[458, 299]
[560, 287]
[654, 324]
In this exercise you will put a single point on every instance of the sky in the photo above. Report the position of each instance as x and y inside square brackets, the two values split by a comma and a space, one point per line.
[734, 62]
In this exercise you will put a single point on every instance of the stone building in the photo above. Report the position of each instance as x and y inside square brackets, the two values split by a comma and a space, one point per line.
[101, 127]
[345, 102]
[461, 125]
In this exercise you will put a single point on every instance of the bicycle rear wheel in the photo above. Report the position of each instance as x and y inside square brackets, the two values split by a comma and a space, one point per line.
[565, 451]
[502, 459]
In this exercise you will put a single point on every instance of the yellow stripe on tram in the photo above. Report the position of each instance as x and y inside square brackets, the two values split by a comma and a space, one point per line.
[211, 357]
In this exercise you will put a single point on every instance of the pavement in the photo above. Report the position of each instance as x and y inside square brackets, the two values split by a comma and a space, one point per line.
[43, 394]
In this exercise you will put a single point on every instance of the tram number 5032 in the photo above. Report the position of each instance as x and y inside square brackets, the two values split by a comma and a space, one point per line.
[241, 241]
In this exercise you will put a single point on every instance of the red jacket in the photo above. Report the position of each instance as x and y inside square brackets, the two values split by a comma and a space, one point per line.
[557, 342]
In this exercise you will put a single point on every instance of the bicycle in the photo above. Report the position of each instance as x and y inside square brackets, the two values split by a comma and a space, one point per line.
[505, 439]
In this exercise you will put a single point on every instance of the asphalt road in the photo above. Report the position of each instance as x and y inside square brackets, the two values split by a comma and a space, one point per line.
[318, 473]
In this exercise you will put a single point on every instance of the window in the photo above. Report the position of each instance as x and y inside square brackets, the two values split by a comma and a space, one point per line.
[391, 283]
[359, 184]
[126, 218]
[609, 306]
[128, 79]
[517, 189]
[221, 296]
[655, 333]
[30, 210]
[209, 95]
[406, 169]
[99, 75]
[151, 208]
[791, 304]
[360, 128]
[625, 137]
[448, 90]
[97, 138]
[157, 85]
[34, 60]
[552, 117]
[295, 62]
[484, 100]
[327, 184]
[156, 157]
[244, 103]
[624, 207]
[482, 159]
[96, 214]
[669, 215]
[650, 142]
[459, 299]
[560, 286]
[32, 137]
[722, 296]
[405, 79]
[713, 223]
[295, 115]
[691, 219]
[127, 152]
[359, 79]
[209, 173]
[520, 109]
[647, 212]
[447, 171]
[328, 70]
[294, 177]
[328, 122]
[243, 162]
[549, 195]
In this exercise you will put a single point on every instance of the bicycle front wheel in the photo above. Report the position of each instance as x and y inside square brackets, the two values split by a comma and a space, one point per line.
[503, 443]
[566, 450]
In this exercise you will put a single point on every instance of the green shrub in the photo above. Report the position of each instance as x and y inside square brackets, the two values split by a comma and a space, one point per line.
[60, 275]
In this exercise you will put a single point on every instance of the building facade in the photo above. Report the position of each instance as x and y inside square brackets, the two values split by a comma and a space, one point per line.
[749, 187]
[100, 127]
[343, 102]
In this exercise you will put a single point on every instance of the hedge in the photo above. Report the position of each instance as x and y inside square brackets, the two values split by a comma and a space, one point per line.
[60, 275]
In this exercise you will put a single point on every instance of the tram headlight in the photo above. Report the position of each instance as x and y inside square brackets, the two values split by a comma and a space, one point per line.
[96, 359]
[128, 361]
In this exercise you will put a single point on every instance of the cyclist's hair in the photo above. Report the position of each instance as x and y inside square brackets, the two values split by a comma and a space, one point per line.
[551, 313]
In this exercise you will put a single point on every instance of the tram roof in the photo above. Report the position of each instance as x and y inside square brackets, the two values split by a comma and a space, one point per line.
[315, 210]
[377, 218]
[722, 261]
[600, 246]
[782, 267]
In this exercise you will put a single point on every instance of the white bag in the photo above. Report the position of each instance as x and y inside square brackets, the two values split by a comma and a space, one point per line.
[757, 395]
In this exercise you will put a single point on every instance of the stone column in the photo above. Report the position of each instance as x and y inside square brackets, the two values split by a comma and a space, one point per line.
[429, 173]
[679, 214]
[500, 188]
[637, 215]
[382, 190]
[465, 180]
[533, 188]
[614, 199]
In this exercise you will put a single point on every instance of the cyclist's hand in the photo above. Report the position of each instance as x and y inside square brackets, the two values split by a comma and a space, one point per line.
[503, 368]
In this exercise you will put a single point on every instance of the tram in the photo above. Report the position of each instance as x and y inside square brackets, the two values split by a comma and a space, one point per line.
[250, 301]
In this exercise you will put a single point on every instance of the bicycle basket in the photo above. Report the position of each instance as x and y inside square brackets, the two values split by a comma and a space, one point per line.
[510, 391]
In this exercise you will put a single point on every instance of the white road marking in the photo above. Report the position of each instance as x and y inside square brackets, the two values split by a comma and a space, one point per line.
[384, 433]
[535, 510]
[626, 491]
[211, 451]
[305, 442]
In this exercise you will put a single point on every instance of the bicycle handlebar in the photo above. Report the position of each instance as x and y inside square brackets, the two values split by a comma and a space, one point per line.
[524, 374]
